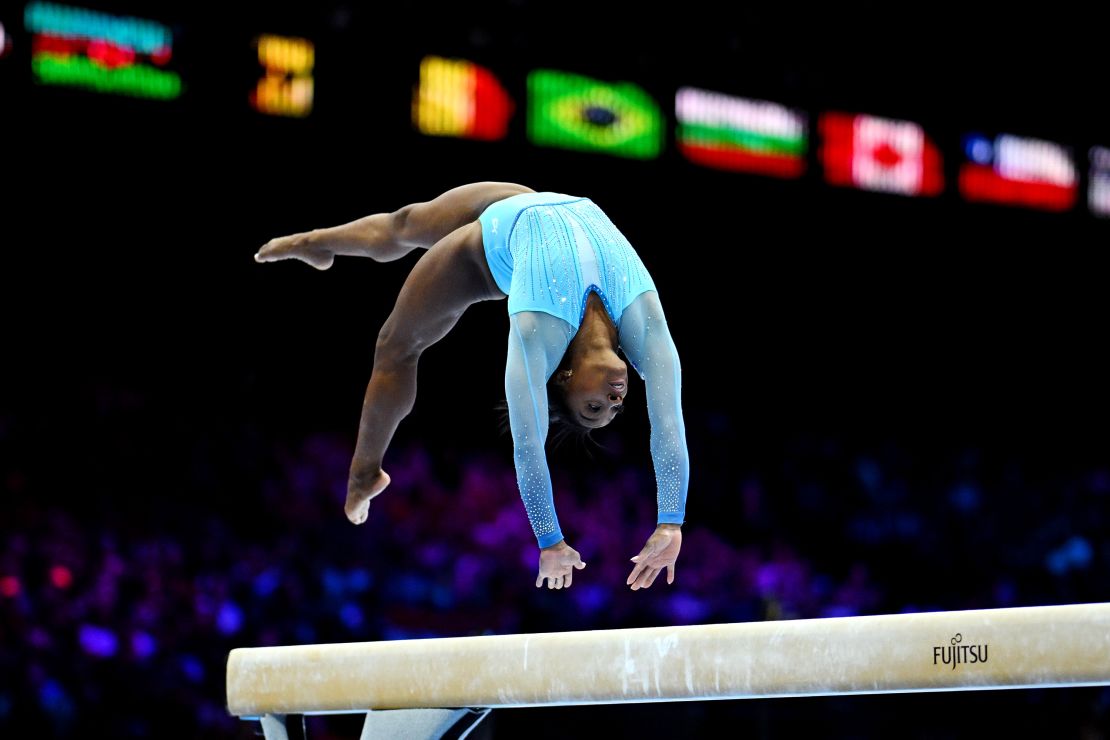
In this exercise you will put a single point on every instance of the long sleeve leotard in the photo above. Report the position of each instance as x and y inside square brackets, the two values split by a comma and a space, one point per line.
[537, 342]
[547, 251]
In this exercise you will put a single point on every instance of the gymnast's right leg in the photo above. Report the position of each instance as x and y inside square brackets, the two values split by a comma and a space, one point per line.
[390, 236]
[451, 276]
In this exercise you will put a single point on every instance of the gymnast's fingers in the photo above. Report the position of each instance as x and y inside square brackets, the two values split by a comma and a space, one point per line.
[636, 571]
[643, 579]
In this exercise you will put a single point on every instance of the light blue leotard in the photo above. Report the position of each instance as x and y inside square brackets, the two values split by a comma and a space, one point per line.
[547, 251]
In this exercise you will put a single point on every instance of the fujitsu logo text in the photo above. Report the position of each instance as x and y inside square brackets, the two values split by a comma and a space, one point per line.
[955, 653]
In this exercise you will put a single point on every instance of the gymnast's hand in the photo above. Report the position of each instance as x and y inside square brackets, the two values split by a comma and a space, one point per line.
[661, 551]
[557, 564]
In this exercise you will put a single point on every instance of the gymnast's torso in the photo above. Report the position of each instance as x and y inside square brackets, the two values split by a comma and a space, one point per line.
[548, 251]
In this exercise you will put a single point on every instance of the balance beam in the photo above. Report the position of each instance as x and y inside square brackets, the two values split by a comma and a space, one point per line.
[1025, 647]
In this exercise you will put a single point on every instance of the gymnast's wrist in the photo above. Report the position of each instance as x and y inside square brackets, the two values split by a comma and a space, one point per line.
[560, 545]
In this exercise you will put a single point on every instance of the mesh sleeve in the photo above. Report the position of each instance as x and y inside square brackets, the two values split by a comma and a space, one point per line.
[646, 341]
[537, 342]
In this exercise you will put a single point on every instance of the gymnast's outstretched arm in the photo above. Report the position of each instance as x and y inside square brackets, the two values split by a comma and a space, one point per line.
[537, 342]
[646, 341]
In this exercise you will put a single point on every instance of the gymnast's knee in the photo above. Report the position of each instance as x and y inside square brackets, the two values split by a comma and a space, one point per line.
[394, 350]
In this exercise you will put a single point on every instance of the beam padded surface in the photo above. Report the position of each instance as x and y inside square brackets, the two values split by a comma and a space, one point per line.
[987, 648]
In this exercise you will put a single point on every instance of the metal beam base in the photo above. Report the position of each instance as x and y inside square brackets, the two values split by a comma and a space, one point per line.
[398, 724]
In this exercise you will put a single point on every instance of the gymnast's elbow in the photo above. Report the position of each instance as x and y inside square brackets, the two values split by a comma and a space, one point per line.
[396, 349]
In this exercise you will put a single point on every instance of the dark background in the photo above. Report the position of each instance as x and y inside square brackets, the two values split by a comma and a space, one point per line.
[899, 403]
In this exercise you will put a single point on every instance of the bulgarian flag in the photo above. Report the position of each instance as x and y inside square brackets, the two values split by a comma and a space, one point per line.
[573, 112]
[729, 133]
[881, 154]
[458, 98]
[1018, 171]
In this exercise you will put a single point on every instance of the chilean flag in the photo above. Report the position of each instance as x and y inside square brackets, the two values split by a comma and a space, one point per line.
[874, 153]
[1018, 171]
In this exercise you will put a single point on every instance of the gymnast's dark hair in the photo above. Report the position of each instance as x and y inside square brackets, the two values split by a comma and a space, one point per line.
[561, 422]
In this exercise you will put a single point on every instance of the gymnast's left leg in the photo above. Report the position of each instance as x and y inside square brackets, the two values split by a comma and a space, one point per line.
[385, 237]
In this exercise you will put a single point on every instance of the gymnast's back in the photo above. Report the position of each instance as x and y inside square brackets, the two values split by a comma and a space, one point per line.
[547, 251]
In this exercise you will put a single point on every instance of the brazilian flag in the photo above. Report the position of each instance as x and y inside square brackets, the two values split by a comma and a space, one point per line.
[573, 112]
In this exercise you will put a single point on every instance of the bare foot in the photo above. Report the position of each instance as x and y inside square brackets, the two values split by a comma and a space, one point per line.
[296, 246]
[360, 489]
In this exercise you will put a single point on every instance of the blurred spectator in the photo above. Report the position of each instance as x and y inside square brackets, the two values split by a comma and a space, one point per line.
[121, 617]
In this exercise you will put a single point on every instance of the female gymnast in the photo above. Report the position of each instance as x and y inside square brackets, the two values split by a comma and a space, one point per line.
[577, 292]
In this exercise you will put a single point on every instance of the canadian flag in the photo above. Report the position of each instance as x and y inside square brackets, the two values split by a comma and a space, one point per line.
[874, 153]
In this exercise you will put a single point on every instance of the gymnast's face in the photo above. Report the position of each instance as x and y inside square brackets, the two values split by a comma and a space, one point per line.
[595, 390]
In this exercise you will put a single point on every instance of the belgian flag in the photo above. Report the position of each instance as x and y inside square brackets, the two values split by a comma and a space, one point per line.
[574, 112]
[459, 98]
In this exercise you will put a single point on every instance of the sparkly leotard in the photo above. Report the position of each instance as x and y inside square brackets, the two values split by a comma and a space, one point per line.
[547, 251]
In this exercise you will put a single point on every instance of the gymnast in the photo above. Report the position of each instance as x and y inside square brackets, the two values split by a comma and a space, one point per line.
[577, 293]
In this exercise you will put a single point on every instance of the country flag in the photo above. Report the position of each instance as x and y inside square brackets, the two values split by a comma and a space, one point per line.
[730, 133]
[286, 85]
[1019, 171]
[1098, 194]
[102, 52]
[881, 154]
[459, 98]
[574, 112]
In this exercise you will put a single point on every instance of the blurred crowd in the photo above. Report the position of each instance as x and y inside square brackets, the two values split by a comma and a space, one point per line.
[117, 612]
